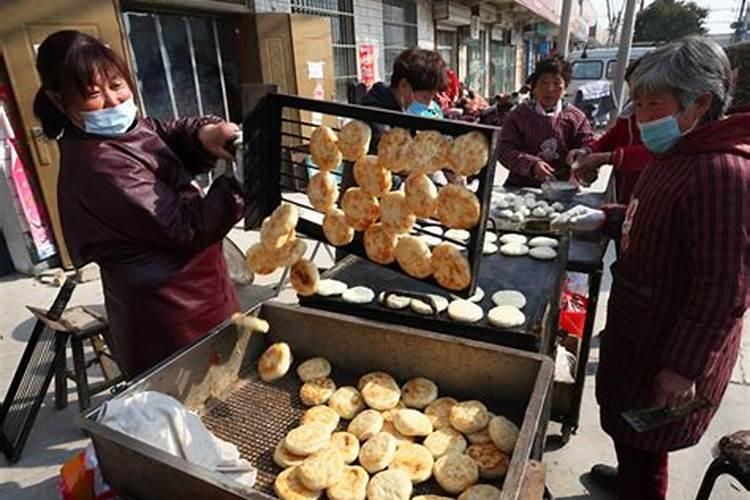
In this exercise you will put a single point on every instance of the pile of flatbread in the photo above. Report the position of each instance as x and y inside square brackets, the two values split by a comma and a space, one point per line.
[385, 216]
[279, 247]
[520, 207]
[377, 440]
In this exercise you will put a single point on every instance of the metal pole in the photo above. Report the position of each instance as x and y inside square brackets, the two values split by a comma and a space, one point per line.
[563, 42]
[623, 55]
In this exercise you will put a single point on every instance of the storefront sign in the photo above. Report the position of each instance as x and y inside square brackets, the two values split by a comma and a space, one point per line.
[368, 67]
[546, 9]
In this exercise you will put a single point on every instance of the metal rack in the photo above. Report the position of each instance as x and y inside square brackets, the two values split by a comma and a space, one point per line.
[276, 137]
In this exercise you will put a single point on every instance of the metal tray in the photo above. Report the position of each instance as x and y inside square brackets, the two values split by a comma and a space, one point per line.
[216, 377]
[276, 167]
[539, 281]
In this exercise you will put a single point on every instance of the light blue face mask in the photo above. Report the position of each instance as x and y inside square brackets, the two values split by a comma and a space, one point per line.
[421, 109]
[659, 136]
[110, 122]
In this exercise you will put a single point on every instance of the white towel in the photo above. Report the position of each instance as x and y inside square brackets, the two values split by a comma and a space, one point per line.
[163, 422]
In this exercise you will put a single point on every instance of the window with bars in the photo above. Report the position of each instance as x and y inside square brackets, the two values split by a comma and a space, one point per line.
[185, 65]
[341, 13]
[446, 44]
[399, 29]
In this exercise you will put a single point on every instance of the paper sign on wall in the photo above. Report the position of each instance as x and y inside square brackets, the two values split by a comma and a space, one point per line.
[315, 70]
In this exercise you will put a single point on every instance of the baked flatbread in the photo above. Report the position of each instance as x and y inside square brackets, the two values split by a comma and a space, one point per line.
[469, 416]
[347, 402]
[313, 368]
[336, 228]
[361, 209]
[324, 148]
[354, 140]
[347, 444]
[421, 195]
[317, 391]
[414, 257]
[454, 473]
[380, 244]
[323, 415]
[439, 412]
[430, 152]
[289, 486]
[304, 277]
[480, 492]
[504, 433]
[469, 153]
[371, 176]
[275, 362]
[377, 452]
[444, 441]
[380, 391]
[366, 424]
[457, 207]
[419, 392]
[492, 462]
[322, 469]
[322, 191]
[450, 268]
[394, 150]
[415, 460]
[351, 486]
[411, 422]
[395, 213]
[389, 485]
[307, 439]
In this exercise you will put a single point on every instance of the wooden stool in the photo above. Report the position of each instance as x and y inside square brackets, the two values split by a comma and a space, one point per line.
[81, 324]
[733, 459]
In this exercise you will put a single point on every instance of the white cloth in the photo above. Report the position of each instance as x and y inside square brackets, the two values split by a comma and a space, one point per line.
[163, 422]
[595, 90]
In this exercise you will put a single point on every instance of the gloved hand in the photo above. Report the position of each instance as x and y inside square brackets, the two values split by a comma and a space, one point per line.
[579, 218]
[576, 155]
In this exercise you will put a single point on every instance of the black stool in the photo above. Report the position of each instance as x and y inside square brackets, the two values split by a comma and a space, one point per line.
[733, 459]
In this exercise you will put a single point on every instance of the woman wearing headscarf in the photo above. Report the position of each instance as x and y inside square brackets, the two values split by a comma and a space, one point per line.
[679, 291]
[129, 203]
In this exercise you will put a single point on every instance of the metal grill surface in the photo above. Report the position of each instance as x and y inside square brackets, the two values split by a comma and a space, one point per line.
[256, 415]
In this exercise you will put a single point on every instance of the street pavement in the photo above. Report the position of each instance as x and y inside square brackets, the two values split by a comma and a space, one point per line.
[55, 438]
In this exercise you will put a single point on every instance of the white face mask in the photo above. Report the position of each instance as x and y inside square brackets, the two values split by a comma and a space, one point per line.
[110, 122]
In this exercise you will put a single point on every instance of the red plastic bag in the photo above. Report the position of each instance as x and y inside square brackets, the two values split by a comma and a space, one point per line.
[573, 308]
[80, 478]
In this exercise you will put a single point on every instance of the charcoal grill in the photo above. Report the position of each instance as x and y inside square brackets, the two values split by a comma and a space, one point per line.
[216, 377]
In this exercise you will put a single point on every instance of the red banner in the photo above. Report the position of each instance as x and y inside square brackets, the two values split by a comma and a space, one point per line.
[367, 64]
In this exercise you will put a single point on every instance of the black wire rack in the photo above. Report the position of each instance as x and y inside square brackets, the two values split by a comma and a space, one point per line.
[276, 166]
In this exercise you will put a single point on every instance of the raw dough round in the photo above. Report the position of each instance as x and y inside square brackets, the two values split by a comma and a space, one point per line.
[543, 241]
[337, 230]
[506, 317]
[394, 301]
[489, 236]
[458, 207]
[358, 295]
[513, 238]
[476, 298]
[543, 253]
[509, 298]
[329, 287]
[489, 248]
[461, 235]
[465, 311]
[421, 307]
[514, 250]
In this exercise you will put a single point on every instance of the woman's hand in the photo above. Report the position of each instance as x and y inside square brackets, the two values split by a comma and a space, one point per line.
[543, 171]
[215, 136]
[576, 155]
[672, 389]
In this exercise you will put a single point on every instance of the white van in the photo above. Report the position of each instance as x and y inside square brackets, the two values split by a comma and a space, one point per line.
[595, 68]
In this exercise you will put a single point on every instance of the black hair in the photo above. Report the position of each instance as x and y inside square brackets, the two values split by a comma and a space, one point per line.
[67, 62]
[423, 69]
[554, 65]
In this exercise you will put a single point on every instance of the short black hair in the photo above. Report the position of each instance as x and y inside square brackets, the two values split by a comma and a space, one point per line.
[553, 65]
[423, 69]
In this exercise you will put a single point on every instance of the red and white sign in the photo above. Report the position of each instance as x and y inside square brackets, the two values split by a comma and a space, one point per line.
[368, 67]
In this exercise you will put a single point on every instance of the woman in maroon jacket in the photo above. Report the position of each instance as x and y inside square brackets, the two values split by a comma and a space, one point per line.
[674, 317]
[537, 136]
[128, 201]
